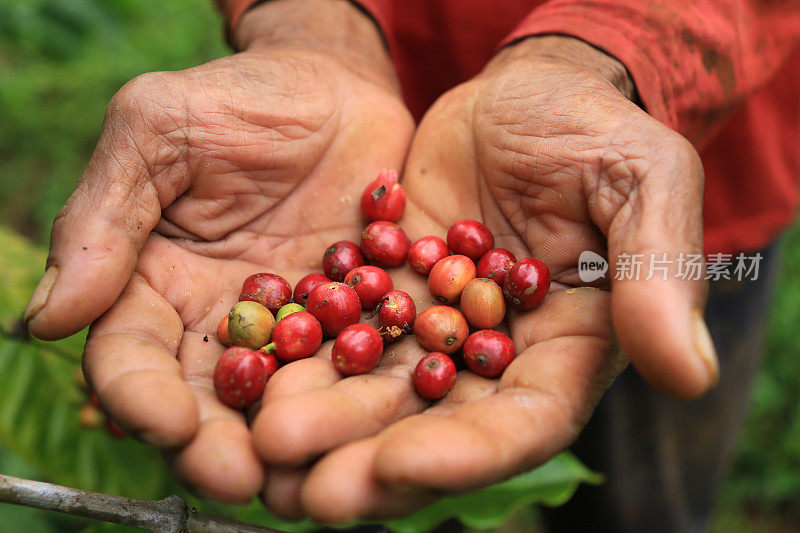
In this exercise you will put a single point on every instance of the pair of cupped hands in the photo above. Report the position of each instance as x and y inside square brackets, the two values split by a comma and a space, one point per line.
[255, 163]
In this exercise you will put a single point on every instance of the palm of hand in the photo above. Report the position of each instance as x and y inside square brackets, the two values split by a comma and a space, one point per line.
[484, 430]
[551, 168]
[258, 162]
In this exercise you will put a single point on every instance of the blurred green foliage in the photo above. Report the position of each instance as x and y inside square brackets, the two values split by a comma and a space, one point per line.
[763, 490]
[60, 62]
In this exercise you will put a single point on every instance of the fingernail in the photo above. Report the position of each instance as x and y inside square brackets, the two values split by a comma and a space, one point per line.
[41, 294]
[705, 347]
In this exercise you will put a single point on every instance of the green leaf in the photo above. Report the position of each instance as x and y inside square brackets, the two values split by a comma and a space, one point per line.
[551, 484]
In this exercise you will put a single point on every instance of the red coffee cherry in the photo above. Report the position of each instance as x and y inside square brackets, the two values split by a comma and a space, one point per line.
[270, 290]
[396, 314]
[470, 238]
[240, 376]
[296, 336]
[495, 264]
[441, 329]
[357, 349]
[449, 276]
[222, 332]
[371, 283]
[488, 352]
[426, 252]
[384, 198]
[114, 430]
[527, 283]
[306, 283]
[340, 258]
[385, 244]
[335, 305]
[434, 376]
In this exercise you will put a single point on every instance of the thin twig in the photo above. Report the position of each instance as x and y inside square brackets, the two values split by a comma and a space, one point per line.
[19, 332]
[170, 515]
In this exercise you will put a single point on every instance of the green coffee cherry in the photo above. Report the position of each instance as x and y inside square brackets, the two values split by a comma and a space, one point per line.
[287, 310]
[250, 325]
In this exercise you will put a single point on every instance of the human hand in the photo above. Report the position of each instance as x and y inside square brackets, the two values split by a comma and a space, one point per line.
[248, 163]
[555, 160]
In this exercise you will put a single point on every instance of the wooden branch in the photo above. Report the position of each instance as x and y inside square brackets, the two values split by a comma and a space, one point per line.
[170, 515]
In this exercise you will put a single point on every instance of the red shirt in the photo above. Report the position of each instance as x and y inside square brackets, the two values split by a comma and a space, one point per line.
[723, 73]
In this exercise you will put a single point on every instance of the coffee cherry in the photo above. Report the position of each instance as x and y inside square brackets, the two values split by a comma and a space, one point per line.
[434, 376]
[340, 258]
[270, 290]
[304, 286]
[287, 310]
[449, 276]
[495, 264]
[426, 252]
[271, 363]
[370, 283]
[385, 244]
[250, 325]
[482, 303]
[335, 305]
[94, 400]
[396, 314]
[239, 377]
[441, 329]
[470, 238]
[113, 429]
[90, 416]
[384, 198]
[357, 349]
[297, 336]
[527, 283]
[488, 352]
[222, 332]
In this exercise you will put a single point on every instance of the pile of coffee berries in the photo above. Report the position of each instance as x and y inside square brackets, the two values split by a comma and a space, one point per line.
[272, 324]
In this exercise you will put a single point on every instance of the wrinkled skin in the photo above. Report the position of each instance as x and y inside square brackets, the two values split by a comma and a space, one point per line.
[552, 158]
[246, 164]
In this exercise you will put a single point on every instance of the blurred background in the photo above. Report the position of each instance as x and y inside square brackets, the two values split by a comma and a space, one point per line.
[60, 62]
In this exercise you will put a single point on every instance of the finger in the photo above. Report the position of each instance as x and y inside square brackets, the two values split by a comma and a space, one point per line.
[130, 362]
[96, 236]
[302, 376]
[281, 493]
[648, 210]
[544, 398]
[357, 493]
[220, 462]
[292, 429]
[359, 496]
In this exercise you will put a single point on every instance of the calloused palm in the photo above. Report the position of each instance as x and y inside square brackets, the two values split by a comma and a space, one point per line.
[249, 163]
[555, 161]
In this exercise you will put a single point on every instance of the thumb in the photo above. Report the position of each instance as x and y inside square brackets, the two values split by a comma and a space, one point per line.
[653, 223]
[97, 235]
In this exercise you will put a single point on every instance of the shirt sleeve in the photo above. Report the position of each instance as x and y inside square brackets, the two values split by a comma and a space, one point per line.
[233, 10]
[693, 62]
